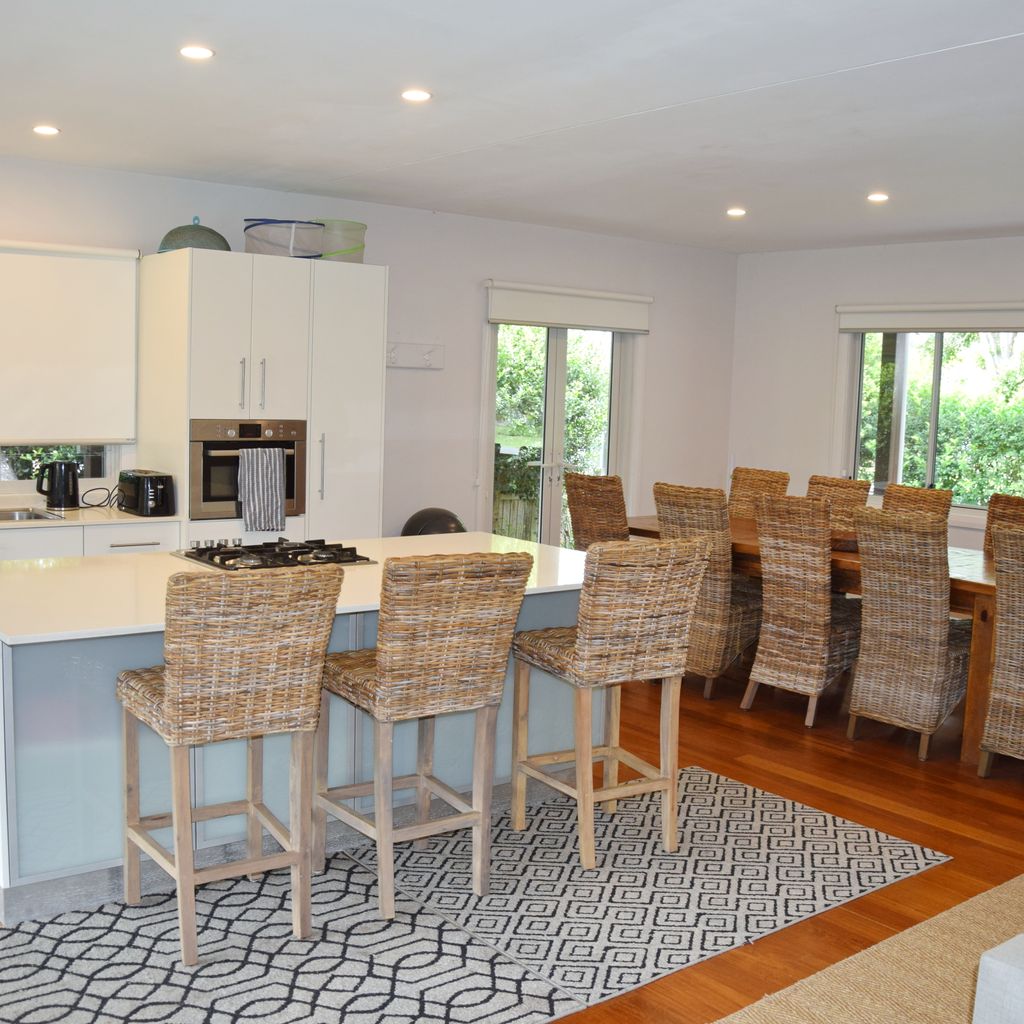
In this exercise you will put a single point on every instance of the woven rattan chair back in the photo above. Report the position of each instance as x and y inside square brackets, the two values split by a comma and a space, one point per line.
[1003, 510]
[747, 485]
[244, 652]
[445, 630]
[796, 563]
[923, 500]
[597, 509]
[843, 495]
[685, 513]
[635, 610]
[905, 625]
[1004, 721]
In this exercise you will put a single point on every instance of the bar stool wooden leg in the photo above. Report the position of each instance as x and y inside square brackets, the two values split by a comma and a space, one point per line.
[483, 782]
[748, 695]
[612, 722]
[321, 748]
[585, 776]
[851, 728]
[254, 795]
[669, 737]
[383, 781]
[812, 711]
[520, 742]
[709, 687]
[184, 858]
[132, 857]
[922, 746]
[424, 767]
[985, 763]
[300, 796]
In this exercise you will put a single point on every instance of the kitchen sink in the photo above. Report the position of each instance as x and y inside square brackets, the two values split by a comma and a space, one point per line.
[17, 515]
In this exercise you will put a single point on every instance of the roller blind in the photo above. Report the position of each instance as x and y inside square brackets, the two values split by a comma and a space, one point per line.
[546, 306]
[968, 316]
[67, 344]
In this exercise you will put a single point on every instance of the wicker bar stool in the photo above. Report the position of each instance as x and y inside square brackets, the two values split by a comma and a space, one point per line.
[597, 509]
[809, 636]
[1003, 510]
[727, 616]
[1004, 719]
[747, 485]
[843, 495]
[443, 641]
[634, 618]
[924, 500]
[244, 658]
[912, 669]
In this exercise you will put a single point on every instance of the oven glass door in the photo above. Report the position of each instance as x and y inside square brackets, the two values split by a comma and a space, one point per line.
[219, 485]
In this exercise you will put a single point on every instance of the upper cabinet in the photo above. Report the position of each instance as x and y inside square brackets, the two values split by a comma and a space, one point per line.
[248, 336]
[67, 341]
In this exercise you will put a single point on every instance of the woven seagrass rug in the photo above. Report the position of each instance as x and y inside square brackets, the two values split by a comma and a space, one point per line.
[550, 938]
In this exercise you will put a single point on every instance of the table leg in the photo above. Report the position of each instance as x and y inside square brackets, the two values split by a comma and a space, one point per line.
[979, 676]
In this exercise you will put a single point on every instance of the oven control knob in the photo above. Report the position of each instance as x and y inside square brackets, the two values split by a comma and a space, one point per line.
[269, 432]
[237, 542]
[231, 431]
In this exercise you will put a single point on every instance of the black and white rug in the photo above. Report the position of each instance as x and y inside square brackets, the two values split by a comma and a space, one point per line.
[550, 938]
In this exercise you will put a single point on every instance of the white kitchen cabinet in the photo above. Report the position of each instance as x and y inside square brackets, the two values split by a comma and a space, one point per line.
[248, 336]
[346, 401]
[40, 542]
[132, 538]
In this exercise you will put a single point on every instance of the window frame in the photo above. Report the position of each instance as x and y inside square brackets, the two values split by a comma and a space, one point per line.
[112, 460]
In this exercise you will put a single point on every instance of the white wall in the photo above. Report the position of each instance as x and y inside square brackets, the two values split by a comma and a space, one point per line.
[438, 265]
[786, 342]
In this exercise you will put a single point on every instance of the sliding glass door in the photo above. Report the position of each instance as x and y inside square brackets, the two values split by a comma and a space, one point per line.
[553, 412]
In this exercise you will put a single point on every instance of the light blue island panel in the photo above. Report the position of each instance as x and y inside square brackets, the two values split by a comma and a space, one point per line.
[62, 745]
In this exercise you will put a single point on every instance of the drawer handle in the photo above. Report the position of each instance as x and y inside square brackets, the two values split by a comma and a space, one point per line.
[138, 544]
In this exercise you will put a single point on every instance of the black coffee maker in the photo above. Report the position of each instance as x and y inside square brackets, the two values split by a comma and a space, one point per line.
[61, 484]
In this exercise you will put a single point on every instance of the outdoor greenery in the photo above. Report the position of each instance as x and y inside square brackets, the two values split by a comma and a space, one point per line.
[980, 438]
[24, 463]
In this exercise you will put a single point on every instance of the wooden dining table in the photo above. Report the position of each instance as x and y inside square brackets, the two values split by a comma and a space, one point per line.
[972, 589]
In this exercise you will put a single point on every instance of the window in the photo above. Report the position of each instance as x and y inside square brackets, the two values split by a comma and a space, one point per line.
[943, 409]
[23, 462]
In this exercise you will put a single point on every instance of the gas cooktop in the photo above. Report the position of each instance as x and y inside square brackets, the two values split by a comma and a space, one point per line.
[275, 554]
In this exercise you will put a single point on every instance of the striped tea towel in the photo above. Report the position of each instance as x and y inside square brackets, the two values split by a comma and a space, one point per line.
[261, 488]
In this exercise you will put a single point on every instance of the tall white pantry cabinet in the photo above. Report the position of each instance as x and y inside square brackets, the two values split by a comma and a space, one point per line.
[225, 335]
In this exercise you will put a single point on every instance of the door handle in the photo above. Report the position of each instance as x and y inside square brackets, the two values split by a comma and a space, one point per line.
[241, 386]
[138, 544]
[263, 383]
[323, 464]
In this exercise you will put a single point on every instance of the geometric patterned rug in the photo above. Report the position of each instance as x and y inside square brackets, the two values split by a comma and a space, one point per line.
[548, 940]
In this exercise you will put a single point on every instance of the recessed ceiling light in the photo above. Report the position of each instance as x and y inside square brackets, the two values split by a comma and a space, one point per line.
[878, 197]
[46, 129]
[416, 95]
[736, 211]
[196, 52]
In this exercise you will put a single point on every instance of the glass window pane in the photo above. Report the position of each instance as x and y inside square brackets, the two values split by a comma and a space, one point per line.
[917, 417]
[23, 463]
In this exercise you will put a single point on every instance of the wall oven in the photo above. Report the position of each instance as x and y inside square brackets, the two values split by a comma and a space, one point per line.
[213, 463]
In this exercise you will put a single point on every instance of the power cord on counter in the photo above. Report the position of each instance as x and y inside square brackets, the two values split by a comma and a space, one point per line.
[110, 495]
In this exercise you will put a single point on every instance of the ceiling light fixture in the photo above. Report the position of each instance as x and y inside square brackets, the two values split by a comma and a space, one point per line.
[196, 52]
[416, 95]
[736, 211]
[46, 129]
[878, 197]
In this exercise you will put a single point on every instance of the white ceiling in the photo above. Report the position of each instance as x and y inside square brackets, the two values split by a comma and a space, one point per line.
[644, 118]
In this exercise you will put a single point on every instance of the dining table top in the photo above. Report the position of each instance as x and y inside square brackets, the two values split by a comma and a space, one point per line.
[970, 570]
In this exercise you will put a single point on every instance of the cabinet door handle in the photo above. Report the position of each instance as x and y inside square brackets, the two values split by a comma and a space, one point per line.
[263, 383]
[241, 386]
[323, 464]
[138, 544]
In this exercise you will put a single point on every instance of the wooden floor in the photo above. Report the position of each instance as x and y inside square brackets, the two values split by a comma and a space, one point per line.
[876, 781]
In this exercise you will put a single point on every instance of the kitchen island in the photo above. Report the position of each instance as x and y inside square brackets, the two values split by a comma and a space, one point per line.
[69, 625]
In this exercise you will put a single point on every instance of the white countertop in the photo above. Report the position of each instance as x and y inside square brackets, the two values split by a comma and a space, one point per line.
[75, 516]
[49, 599]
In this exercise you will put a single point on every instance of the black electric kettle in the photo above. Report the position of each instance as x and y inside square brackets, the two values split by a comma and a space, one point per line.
[61, 484]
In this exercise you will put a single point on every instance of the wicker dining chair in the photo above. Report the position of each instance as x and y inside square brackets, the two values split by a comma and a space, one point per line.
[243, 658]
[443, 639]
[843, 495]
[1004, 719]
[809, 636]
[912, 669]
[1003, 510]
[747, 485]
[927, 500]
[727, 617]
[634, 618]
[597, 509]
